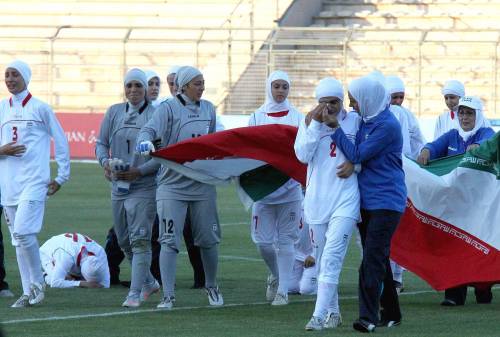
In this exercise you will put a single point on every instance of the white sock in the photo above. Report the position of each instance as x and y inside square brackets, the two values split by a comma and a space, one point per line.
[168, 268]
[31, 253]
[334, 302]
[140, 270]
[268, 253]
[323, 301]
[24, 271]
[286, 259]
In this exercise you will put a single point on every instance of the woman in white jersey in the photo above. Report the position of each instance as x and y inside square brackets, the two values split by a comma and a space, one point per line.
[27, 126]
[331, 204]
[275, 219]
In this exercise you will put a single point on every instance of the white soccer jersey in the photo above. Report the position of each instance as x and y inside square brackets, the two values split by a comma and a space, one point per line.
[444, 123]
[413, 140]
[327, 196]
[291, 190]
[32, 123]
[61, 256]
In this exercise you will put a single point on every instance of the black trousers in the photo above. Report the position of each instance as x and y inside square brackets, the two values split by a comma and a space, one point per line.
[3, 284]
[459, 294]
[115, 255]
[376, 287]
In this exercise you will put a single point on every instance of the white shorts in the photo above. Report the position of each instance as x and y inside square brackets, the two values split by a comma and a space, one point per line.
[276, 223]
[25, 218]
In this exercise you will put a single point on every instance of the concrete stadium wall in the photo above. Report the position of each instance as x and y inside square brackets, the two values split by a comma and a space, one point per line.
[300, 13]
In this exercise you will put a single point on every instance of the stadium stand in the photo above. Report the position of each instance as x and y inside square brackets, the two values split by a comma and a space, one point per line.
[79, 50]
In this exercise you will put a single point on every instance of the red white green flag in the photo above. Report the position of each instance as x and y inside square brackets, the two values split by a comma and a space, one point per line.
[449, 234]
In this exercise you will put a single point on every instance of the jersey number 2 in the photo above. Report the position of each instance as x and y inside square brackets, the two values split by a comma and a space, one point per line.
[333, 147]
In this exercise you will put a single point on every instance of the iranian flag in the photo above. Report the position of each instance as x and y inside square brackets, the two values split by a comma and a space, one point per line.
[259, 159]
[450, 232]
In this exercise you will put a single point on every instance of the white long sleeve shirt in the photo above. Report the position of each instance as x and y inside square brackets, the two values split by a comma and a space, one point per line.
[32, 123]
[61, 256]
[327, 195]
[444, 123]
[413, 140]
[291, 190]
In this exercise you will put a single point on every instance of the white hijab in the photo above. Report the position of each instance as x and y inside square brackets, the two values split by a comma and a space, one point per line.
[475, 103]
[453, 87]
[23, 68]
[152, 74]
[184, 75]
[331, 87]
[394, 84]
[270, 105]
[371, 96]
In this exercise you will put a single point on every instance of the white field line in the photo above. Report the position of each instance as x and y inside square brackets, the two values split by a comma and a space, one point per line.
[141, 311]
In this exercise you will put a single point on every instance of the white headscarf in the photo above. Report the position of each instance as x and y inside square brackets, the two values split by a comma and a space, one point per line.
[184, 76]
[151, 74]
[329, 87]
[378, 76]
[370, 95]
[475, 103]
[270, 105]
[91, 268]
[394, 84]
[136, 74]
[173, 70]
[453, 87]
[23, 68]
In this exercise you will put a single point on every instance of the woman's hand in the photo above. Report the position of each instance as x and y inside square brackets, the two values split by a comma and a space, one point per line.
[11, 149]
[130, 175]
[423, 157]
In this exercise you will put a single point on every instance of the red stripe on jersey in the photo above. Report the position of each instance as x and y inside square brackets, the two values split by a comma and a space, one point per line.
[278, 114]
[25, 100]
[79, 257]
[452, 115]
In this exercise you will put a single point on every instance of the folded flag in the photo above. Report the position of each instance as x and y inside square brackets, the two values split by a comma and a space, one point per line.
[260, 159]
[450, 232]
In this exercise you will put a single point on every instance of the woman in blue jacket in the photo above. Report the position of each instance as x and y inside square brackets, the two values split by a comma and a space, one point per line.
[467, 135]
[378, 149]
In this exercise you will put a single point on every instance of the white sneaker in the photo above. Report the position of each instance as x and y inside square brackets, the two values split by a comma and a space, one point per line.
[214, 296]
[333, 320]
[315, 324]
[167, 303]
[148, 290]
[22, 302]
[131, 302]
[280, 299]
[272, 287]
[37, 293]
[6, 293]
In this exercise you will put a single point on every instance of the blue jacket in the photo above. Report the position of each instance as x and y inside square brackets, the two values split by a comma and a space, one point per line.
[378, 148]
[451, 143]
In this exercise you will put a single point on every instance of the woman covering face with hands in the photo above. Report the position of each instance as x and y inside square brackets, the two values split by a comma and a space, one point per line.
[331, 203]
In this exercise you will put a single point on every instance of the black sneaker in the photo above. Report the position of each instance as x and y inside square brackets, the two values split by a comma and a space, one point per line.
[388, 323]
[362, 325]
[448, 303]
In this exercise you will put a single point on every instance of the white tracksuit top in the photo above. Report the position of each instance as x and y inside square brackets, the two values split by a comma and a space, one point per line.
[327, 195]
[62, 254]
[444, 123]
[30, 122]
[291, 190]
[413, 140]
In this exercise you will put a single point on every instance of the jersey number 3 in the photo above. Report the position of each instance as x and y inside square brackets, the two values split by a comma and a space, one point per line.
[333, 147]
[14, 134]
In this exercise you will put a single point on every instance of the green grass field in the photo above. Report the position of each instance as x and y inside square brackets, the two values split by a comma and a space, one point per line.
[83, 205]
